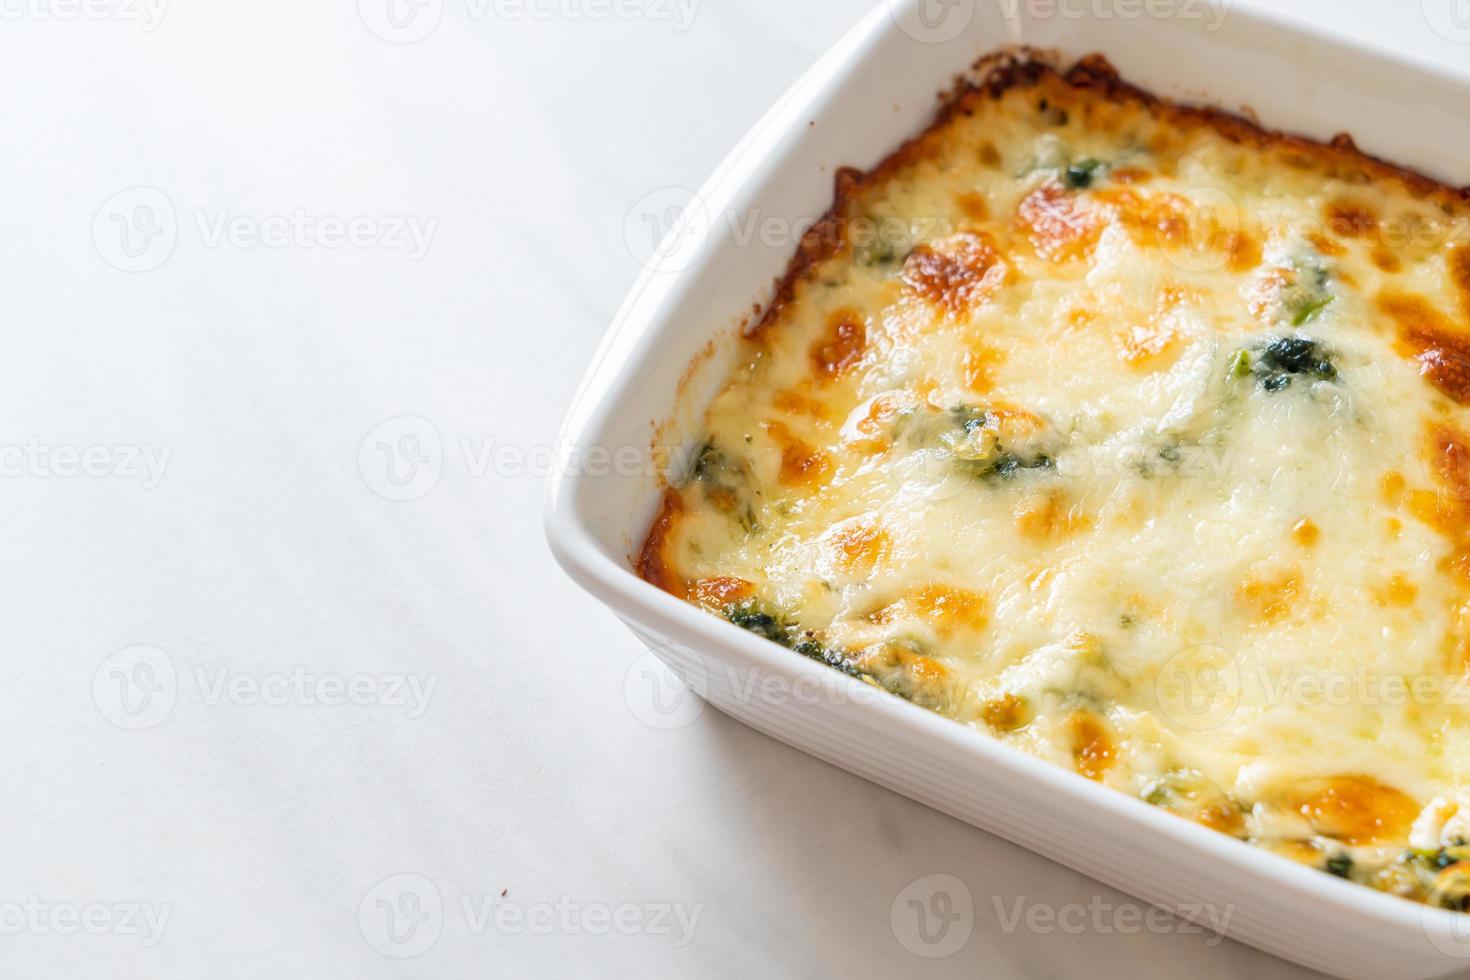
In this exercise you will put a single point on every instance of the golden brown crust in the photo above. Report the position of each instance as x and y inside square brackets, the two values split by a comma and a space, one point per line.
[1459, 260]
[1095, 72]
[1441, 348]
[956, 273]
[1002, 71]
[828, 236]
[653, 561]
[822, 241]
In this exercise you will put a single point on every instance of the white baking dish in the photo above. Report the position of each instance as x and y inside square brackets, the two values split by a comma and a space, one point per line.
[858, 103]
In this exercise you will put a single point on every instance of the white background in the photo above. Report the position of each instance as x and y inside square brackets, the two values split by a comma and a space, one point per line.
[258, 819]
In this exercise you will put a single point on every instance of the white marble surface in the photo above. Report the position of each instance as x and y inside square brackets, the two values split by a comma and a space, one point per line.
[180, 467]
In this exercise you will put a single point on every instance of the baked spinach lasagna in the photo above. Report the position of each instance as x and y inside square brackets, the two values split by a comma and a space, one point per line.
[1136, 437]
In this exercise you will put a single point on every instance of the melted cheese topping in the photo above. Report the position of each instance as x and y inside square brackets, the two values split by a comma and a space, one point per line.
[1131, 436]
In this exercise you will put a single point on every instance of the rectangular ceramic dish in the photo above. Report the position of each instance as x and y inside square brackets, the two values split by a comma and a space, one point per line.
[669, 350]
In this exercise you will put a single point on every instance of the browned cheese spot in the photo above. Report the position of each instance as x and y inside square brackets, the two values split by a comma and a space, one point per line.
[956, 273]
[1306, 533]
[1356, 810]
[722, 591]
[1268, 597]
[842, 345]
[802, 465]
[1093, 752]
[973, 206]
[1351, 219]
[1061, 228]
[860, 547]
[1006, 713]
[1439, 347]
